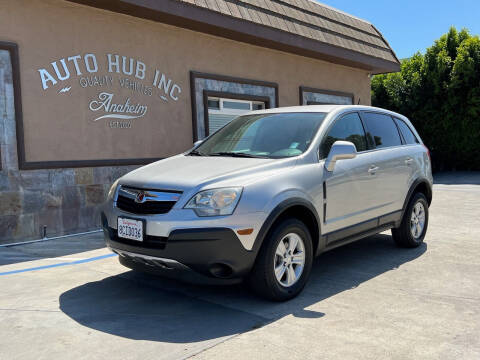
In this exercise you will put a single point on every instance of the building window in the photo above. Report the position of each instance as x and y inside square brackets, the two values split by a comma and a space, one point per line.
[312, 96]
[223, 110]
[217, 99]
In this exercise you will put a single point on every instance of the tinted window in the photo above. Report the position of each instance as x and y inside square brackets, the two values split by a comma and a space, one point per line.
[347, 128]
[381, 130]
[407, 134]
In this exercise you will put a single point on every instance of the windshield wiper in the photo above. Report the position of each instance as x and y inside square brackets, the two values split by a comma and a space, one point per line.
[196, 153]
[237, 154]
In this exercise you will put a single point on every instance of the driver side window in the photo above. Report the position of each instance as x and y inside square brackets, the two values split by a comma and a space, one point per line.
[348, 128]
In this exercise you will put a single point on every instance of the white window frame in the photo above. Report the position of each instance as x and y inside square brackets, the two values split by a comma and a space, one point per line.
[228, 111]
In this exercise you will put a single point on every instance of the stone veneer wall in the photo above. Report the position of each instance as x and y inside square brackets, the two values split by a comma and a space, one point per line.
[64, 200]
[325, 98]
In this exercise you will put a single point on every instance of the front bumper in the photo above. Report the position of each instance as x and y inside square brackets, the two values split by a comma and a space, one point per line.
[162, 225]
[214, 253]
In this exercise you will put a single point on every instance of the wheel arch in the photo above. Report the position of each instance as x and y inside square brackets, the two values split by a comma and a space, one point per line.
[419, 185]
[298, 208]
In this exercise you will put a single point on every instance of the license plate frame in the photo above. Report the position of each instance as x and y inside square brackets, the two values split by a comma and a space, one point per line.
[131, 228]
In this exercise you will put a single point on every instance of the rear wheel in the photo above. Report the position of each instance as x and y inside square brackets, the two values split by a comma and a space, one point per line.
[414, 224]
[284, 262]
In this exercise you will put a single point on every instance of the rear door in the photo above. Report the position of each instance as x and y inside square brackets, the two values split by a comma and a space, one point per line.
[413, 153]
[388, 163]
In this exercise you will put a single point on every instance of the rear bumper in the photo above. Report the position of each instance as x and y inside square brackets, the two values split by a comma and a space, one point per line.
[213, 253]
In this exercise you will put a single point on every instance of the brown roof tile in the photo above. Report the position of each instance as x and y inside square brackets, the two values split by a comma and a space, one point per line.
[223, 7]
[201, 3]
[233, 7]
[212, 5]
[245, 14]
[321, 25]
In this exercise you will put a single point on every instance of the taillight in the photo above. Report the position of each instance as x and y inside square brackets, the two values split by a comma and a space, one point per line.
[428, 153]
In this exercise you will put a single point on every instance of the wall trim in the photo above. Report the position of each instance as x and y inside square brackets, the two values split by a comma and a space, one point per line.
[12, 48]
[64, 164]
[303, 89]
[229, 95]
[195, 74]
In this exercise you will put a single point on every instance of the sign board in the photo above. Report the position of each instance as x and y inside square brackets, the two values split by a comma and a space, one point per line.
[115, 73]
[106, 106]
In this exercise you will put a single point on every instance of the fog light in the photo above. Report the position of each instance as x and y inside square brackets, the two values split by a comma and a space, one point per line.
[221, 270]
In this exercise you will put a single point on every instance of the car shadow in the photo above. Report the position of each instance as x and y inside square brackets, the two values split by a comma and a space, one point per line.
[144, 307]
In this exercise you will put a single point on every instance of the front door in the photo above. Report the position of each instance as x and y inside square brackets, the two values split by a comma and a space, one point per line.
[349, 187]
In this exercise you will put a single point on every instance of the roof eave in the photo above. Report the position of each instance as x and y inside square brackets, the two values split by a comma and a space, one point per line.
[203, 20]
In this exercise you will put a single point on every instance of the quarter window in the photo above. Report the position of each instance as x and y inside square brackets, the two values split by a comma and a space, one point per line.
[381, 130]
[407, 134]
[347, 128]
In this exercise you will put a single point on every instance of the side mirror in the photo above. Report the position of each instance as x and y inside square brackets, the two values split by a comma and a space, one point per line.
[340, 150]
[196, 143]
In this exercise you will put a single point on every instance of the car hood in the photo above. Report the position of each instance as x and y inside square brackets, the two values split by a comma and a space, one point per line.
[183, 172]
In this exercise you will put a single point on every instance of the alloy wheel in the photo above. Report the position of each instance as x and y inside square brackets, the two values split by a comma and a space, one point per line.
[289, 259]
[417, 220]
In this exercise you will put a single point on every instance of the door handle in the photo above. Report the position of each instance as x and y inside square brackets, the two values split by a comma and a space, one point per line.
[408, 161]
[373, 169]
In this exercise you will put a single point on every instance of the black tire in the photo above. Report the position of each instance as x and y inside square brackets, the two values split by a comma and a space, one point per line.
[262, 279]
[402, 235]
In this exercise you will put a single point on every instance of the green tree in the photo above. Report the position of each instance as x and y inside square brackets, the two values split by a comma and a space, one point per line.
[440, 93]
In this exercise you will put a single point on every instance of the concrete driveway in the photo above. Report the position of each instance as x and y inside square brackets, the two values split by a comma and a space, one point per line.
[71, 299]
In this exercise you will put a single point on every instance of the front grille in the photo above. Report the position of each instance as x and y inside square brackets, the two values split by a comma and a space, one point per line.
[155, 202]
[150, 207]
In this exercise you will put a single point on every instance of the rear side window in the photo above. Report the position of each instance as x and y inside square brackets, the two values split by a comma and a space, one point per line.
[347, 128]
[407, 134]
[381, 130]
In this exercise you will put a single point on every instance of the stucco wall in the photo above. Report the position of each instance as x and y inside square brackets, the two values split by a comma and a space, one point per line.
[59, 126]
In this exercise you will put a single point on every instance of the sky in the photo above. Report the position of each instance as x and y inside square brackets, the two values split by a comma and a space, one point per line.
[413, 25]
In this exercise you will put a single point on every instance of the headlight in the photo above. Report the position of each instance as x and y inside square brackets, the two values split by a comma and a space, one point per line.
[215, 202]
[111, 192]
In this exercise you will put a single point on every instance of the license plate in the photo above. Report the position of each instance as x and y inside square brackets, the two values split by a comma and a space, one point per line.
[130, 229]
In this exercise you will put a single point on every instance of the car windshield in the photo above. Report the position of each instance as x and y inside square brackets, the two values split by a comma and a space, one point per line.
[264, 135]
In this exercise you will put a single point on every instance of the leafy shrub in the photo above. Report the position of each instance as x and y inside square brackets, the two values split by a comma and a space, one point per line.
[440, 93]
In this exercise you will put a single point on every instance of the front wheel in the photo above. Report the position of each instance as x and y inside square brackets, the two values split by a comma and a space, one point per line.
[414, 224]
[284, 262]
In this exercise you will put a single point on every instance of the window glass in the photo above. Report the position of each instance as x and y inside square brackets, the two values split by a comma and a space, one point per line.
[258, 106]
[347, 128]
[264, 135]
[236, 105]
[407, 134]
[309, 102]
[381, 130]
[213, 104]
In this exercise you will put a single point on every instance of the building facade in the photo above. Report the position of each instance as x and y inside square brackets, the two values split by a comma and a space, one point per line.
[90, 90]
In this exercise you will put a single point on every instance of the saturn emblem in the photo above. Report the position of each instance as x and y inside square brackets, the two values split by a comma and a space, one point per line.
[140, 198]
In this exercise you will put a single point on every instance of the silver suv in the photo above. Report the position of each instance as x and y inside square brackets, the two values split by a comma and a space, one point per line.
[265, 194]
